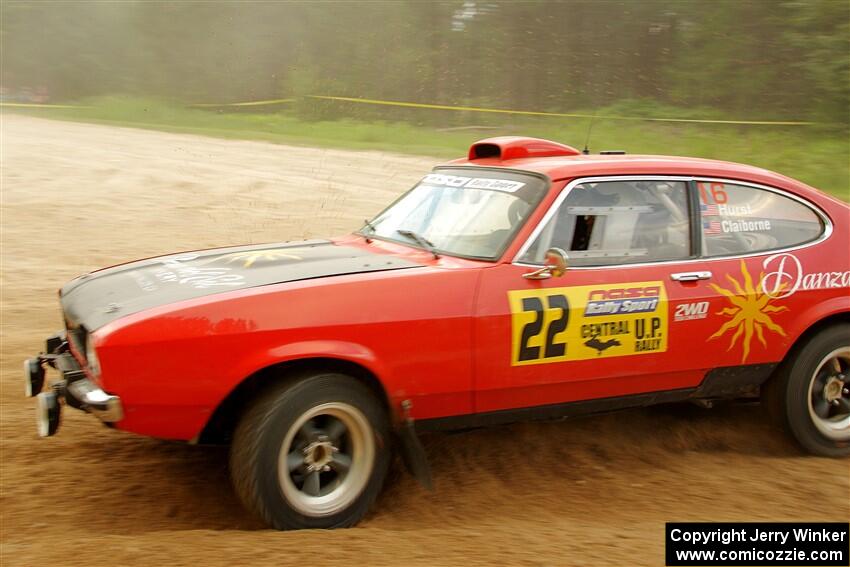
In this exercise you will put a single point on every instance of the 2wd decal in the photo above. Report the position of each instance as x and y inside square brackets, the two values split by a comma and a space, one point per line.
[587, 322]
[691, 311]
[748, 312]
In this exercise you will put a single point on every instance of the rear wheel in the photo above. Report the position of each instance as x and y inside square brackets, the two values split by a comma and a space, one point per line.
[312, 453]
[810, 395]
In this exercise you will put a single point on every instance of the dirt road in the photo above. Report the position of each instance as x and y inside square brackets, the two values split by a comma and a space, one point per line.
[594, 491]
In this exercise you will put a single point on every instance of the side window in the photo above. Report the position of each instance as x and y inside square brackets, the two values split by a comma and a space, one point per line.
[738, 219]
[618, 222]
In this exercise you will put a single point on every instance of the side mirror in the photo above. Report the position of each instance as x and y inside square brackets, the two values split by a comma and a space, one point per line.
[555, 265]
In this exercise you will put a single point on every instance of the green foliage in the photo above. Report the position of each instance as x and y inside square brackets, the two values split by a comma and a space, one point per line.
[749, 59]
[816, 156]
[820, 31]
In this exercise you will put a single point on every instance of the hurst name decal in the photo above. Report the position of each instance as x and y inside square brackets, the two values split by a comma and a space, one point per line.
[587, 322]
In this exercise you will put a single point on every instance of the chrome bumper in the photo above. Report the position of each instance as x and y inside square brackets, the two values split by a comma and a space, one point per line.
[92, 399]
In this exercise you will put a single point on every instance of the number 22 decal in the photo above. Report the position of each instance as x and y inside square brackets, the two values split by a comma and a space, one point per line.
[551, 347]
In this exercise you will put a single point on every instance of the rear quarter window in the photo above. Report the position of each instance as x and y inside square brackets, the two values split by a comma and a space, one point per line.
[740, 219]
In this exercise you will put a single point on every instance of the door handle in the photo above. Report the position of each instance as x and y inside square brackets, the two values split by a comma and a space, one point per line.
[690, 276]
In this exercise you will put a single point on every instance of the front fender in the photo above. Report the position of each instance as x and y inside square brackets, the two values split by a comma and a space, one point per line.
[322, 348]
[175, 366]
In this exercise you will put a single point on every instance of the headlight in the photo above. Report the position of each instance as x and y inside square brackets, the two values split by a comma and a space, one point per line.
[91, 357]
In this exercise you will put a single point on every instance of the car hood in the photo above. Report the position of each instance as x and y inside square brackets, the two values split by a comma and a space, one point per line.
[95, 299]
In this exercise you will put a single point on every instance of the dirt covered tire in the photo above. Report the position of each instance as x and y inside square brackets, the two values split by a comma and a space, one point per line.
[312, 453]
[808, 396]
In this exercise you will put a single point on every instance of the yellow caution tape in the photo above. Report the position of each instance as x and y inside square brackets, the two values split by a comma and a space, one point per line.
[250, 103]
[558, 114]
[36, 105]
[451, 107]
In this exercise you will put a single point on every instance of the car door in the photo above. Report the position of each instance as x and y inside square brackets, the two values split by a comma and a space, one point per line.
[603, 329]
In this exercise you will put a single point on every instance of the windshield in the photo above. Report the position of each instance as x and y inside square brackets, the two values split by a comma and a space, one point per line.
[461, 212]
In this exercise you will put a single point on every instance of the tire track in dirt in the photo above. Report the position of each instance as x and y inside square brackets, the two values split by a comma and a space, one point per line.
[589, 491]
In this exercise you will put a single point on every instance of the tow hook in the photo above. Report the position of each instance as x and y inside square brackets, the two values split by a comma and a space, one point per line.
[412, 451]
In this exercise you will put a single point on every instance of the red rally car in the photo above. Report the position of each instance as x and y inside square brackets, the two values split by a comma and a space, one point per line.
[527, 281]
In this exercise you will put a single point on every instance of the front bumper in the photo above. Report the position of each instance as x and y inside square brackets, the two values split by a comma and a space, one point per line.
[74, 388]
[92, 399]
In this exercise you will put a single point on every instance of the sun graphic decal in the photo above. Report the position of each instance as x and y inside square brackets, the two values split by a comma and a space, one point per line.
[248, 258]
[749, 311]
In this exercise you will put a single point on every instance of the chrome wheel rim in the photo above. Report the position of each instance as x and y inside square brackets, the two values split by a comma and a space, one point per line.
[326, 459]
[829, 395]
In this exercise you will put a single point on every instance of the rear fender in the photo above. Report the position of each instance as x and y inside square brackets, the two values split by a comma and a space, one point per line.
[814, 315]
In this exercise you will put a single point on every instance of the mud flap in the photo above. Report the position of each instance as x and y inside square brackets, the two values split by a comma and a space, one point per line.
[412, 451]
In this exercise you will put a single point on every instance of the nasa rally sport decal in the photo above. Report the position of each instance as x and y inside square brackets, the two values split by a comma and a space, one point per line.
[587, 322]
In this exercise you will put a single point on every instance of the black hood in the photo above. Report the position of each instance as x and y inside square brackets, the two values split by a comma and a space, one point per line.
[98, 298]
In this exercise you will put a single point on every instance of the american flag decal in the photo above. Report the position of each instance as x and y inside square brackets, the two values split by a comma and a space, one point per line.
[711, 227]
[709, 210]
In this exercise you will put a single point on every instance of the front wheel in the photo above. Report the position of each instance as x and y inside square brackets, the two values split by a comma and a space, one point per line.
[810, 395]
[312, 453]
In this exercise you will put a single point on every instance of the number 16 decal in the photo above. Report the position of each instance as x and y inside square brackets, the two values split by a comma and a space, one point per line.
[541, 328]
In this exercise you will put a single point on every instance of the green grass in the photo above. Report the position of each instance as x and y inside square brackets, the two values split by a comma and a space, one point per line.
[818, 156]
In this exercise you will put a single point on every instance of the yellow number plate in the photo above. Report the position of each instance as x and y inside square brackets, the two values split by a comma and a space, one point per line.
[587, 322]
